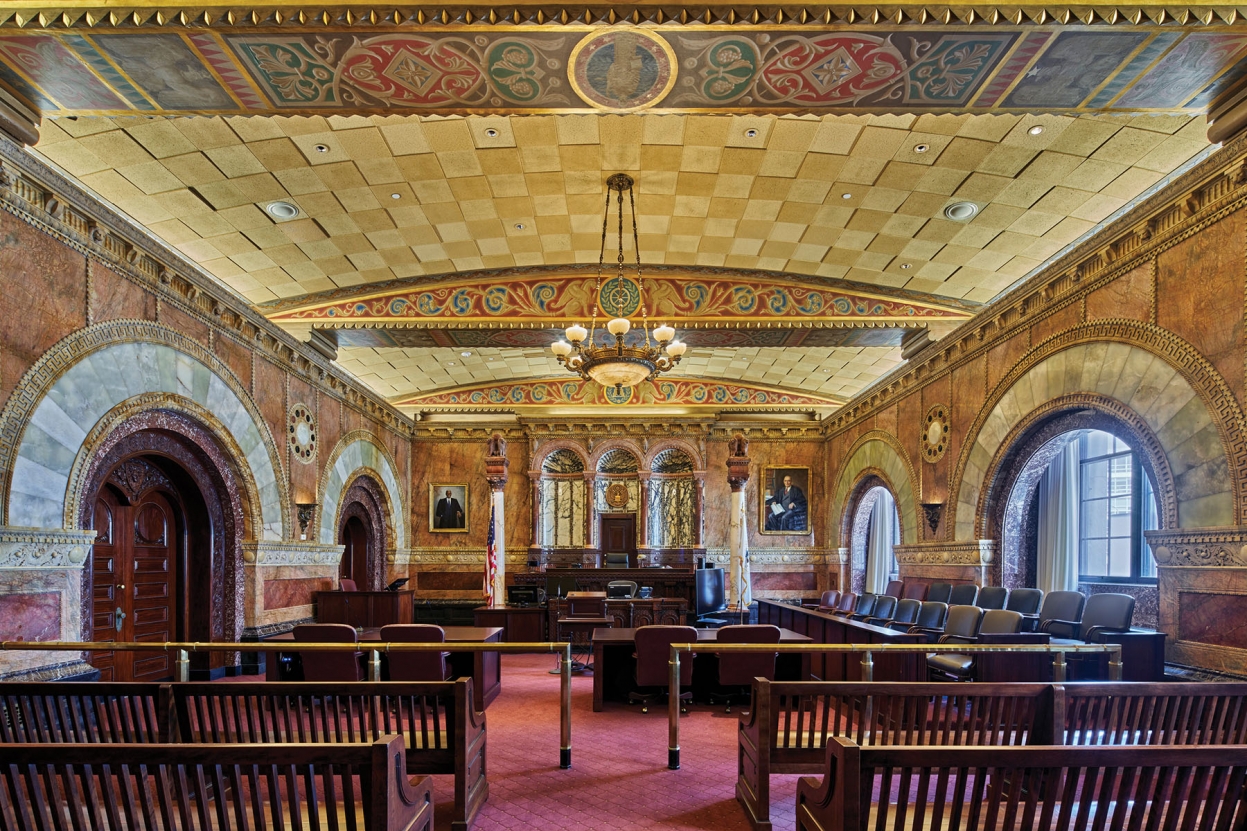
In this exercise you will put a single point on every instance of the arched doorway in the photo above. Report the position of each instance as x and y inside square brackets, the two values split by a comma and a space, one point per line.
[874, 530]
[363, 534]
[354, 540]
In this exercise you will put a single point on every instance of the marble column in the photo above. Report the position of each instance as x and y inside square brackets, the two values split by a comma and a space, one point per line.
[740, 593]
[699, 500]
[538, 541]
[496, 464]
[591, 511]
[642, 508]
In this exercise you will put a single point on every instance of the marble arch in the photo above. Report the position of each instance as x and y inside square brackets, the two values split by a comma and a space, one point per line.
[1154, 377]
[356, 454]
[878, 454]
[73, 388]
[647, 463]
[539, 458]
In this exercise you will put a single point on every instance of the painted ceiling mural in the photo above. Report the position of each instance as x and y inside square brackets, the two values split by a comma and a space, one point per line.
[576, 68]
[560, 392]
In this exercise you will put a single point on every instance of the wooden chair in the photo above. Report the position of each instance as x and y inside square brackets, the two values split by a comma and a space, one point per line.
[330, 666]
[416, 666]
[828, 601]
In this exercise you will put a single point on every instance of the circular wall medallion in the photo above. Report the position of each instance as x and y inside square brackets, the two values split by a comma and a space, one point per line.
[301, 430]
[622, 69]
[617, 495]
[935, 433]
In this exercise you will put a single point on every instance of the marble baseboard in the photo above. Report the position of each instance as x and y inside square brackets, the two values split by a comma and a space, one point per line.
[63, 671]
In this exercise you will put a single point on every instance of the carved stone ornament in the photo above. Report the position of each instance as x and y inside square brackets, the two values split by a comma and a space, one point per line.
[617, 495]
[496, 461]
[933, 511]
[27, 549]
[1216, 548]
[935, 433]
[290, 554]
[301, 430]
[972, 553]
[738, 461]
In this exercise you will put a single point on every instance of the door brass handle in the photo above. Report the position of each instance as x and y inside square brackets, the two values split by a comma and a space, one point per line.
[120, 615]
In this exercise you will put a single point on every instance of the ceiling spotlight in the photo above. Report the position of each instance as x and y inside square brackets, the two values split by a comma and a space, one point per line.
[466, 354]
[827, 369]
[282, 211]
[751, 133]
[921, 148]
[961, 211]
[906, 265]
[321, 148]
[846, 196]
[396, 196]
[451, 363]
[491, 132]
[1036, 130]
[519, 226]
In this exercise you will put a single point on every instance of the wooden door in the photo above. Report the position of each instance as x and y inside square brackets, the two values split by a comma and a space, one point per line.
[354, 564]
[618, 533]
[134, 584]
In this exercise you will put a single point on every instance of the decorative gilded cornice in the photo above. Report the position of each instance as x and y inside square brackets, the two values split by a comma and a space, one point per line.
[1214, 547]
[977, 553]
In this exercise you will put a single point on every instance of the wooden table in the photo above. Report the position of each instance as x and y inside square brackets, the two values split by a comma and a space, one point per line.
[484, 668]
[614, 665]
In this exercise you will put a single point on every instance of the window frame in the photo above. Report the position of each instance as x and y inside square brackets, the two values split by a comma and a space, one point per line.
[1138, 544]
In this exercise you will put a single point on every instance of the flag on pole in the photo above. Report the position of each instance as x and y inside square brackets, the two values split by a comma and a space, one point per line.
[491, 558]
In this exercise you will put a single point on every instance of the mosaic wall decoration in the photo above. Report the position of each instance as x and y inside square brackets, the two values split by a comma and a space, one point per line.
[549, 393]
[578, 68]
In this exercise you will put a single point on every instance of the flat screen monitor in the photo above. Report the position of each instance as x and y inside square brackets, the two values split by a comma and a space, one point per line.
[560, 586]
[522, 595]
[618, 592]
[397, 584]
[711, 596]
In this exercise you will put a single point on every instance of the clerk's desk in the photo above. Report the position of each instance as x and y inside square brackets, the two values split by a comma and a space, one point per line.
[365, 609]
[614, 667]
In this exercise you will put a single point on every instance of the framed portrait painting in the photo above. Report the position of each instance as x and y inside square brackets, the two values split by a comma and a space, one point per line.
[785, 501]
[448, 509]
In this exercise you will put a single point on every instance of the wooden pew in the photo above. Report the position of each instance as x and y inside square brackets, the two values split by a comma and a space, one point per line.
[789, 724]
[85, 712]
[443, 732]
[126, 787]
[1136, 713]
[1162, 788]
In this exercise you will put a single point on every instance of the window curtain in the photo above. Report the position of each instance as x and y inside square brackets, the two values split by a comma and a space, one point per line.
[1057, 568]
[879, 541]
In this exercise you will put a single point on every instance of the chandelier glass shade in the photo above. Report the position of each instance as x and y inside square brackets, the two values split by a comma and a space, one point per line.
[610, 361]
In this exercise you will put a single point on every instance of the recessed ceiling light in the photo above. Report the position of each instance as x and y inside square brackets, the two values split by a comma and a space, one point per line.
[1036, 130]
[905, 265]
[466, 354]
[321, 148]
[827, 369]
[491, 132]
[751, 133]
[921, 148]
[396, 196]
[452, 363]
[519, 226]
[846, 196]
[282, 211]
[961, 211]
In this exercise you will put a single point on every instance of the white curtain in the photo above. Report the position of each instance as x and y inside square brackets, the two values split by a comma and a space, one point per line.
[879, 542]
[1058, 522]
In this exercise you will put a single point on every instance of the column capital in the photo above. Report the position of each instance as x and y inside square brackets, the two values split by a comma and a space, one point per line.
[738, 462]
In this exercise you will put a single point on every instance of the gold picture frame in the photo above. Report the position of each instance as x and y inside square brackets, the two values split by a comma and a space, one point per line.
[448, 519]
[787, 516]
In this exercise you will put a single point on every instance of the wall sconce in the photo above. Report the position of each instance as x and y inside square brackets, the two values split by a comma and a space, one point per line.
[306, 513]
[933, 510]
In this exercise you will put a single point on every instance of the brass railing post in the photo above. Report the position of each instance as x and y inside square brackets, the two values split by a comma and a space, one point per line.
[1115, 664]
[673, 712]
[868, 666]
[565, 708]
[374, 665]
[183, 665]
[1058, 666]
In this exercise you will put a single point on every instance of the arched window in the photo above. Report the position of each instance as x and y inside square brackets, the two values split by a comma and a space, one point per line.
[876, 529]
[562, 495]
[617, 467]
[672, 505]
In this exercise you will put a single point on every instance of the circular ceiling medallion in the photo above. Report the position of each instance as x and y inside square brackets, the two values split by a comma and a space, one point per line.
[622, 69]
[301, 429]
[617, 495]
[935, 433]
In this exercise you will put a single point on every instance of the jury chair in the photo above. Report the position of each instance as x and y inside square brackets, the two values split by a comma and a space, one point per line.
[737, 671]
[894, 589]
[653, 656]
[865, 607]
[1025, 601]
[1062, 606]
[829, 601]
[1105, 613]
[992, 597]
[329, 666]
[848, 601]
[416, 666]
[905, 616]
[915, 591]
[958, 667]
[939, 592]
[885, 608]
[346, 584]
[963, 594]
[964, 623]
[621, 589]
[580, 617]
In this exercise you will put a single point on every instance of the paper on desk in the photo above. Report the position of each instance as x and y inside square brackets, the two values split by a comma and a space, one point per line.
[777, 508]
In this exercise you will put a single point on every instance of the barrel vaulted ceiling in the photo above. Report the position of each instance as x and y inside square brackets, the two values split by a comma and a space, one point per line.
[448, 166]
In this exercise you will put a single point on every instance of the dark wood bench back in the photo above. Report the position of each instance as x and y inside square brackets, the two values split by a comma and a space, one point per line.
[1027, 788]
[179, 787]
[1150, 714]
[84, 712]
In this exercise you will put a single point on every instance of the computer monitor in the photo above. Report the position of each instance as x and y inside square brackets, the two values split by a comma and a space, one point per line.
[710, 588]
[522, 595]
[618, 592]
[397, 584]
[560, 586]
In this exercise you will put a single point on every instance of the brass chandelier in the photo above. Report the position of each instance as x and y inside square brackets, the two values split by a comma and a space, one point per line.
[617, 364]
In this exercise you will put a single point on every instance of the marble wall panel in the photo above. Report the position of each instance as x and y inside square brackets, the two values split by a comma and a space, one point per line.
[1070, 316]
[886, 420]
[1217, 619]
[115, 297]
[1201, 283]
[192, 327]
[933, 477]
[784, 581]
[30, 616]
[269, 391]
[466, 581]
[293, 591]
[1129, 296]
[968, 382]
[236, 356]
[1002, 357]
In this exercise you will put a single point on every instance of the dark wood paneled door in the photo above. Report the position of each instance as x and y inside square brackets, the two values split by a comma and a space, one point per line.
[134, 584]
[618, 534]
[354, 564]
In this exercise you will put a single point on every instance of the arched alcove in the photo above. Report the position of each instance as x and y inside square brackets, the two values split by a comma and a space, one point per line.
[672, 512]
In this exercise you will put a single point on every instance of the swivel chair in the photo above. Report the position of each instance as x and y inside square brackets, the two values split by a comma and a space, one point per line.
[939, 592]
[828, 601]
[960, 667]
[992, 597]
[905, 616]
[1062, 606]
[848, 601]
[329, 666]
[865, 607]
[894, 589]
[616, 559]
[964, 624]
[1105, 613]
[346, 584]
[653, 655]
[963, 594]
[416, 666]
[737, 670]
[885, 608]
[915, 591]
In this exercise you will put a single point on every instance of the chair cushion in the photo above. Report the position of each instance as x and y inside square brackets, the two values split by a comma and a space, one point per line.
[951, 662]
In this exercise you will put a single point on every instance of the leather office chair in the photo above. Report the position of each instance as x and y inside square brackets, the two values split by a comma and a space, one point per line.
[630, 585]
[960, 667]
[915, 591]
[416, 666]
[931, 619]
[616, 559]
[894, 589]
[576, 625]
[885, 608]
[346, 584]
[330, 666]
[939, 592]
[865, 607]
[1105, 613]
[1025, 601]
[1063, 606]
[828, 601]
[906, 614]
[738, 670]
[963, 594]
[848, 601]
[993, 597]
[653, 654]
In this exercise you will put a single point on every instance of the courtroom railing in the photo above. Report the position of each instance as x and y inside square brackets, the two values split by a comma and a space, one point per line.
[376, 650]
[1058, 652]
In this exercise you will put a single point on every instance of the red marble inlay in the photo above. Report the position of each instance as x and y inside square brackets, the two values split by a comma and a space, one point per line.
[450, 580]
[1219, 619]
[282, 594]
[784, 581]
[30, 617]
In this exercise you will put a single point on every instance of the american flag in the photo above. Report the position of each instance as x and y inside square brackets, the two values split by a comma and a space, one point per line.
[491, 559]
